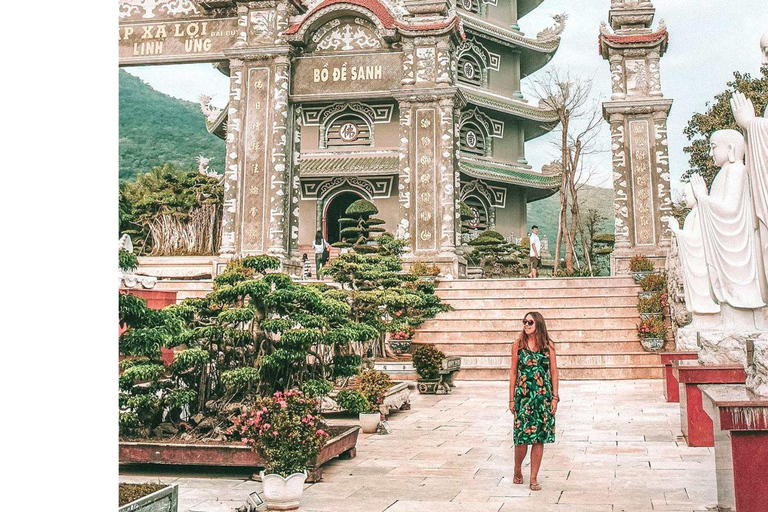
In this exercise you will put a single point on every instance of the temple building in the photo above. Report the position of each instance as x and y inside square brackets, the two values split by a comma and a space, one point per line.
[415, 105]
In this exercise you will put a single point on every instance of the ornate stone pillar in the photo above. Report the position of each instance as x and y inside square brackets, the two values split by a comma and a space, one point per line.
[637, 115]
[405, 229]
[279, 181]
[233, 160]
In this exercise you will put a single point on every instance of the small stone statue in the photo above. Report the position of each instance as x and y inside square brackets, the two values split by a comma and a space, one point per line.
[698, 299]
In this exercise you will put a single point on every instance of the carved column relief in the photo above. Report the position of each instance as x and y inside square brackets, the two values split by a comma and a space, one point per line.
[404, 180]
[620, 185]
[654, 75]
[242, 24]
[448, 177]
[642, 182]
[409, 59]
[617, 77]
[279, 180]
[444, 61]
[426, 180]
[663, 177]
[232, 161]
[254, 176]
[295, 181]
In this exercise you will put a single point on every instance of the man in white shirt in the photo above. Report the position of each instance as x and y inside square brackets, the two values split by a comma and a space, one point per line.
[535, 253]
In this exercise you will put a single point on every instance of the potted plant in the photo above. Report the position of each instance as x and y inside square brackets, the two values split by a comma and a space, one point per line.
[400, 340]
[651, 284]
[640, 267]
[427, 360]
[355, 402]
[652, 333]
[425, 271]
[653, 306]
[288, 435]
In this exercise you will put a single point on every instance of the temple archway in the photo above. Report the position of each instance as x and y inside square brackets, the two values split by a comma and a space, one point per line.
[334, 210]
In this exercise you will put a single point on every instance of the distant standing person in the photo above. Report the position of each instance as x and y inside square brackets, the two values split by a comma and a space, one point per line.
[535, 252]
[321, 249]
[307, 271]
[533, 399]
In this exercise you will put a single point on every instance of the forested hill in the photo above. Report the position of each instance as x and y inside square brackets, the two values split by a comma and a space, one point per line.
[156, 128]
[544, 213]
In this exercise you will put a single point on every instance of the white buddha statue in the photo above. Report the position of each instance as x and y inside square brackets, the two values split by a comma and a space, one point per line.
[698, 299]
[756, 129]
[727, 222]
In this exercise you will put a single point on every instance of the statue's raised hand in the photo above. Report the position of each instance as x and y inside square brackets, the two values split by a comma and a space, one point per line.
[699, 187]
[674, 225]
[743, 109]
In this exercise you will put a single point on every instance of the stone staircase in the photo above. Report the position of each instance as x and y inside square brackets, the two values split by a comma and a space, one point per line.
[591, 320]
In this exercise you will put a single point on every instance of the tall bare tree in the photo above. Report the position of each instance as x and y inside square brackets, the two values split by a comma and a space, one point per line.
[580, 122]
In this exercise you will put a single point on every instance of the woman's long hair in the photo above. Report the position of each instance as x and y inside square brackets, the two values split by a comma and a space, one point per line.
[541, 339]
[318, 238]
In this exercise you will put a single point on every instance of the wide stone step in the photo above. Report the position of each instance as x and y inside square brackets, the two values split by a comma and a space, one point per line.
[491, 302]
[549, 313]
[443, 336]
[587, 373]
[186, 289]
[177, 266]
[516, 324]
[559, 283]
[563, 348]
[536, 293]
[566, 361]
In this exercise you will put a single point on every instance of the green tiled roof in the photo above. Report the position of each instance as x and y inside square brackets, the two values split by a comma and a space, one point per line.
[510, 175]
[509, 37]
[349, 165]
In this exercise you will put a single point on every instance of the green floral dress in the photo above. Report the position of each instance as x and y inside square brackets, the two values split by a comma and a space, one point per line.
[534, 422]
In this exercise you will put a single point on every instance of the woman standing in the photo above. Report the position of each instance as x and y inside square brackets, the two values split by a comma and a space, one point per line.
[533, 399]
[320, 246]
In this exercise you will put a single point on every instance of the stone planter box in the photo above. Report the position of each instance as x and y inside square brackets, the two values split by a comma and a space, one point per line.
[164, 500]
[428, 386]
[396, 398]
[342, 445]
[649, 316]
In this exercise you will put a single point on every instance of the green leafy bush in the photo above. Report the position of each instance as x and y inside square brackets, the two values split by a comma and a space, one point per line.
[355, 402]
[653, 282]
[316, 388]
[640, 264]
[427, 360]
[653, 304]
[127, 261]
[373, 385]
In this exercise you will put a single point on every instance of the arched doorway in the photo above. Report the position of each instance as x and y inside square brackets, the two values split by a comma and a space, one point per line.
[334, 210]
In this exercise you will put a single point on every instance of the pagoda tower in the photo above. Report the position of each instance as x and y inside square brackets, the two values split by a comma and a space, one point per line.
[637, 114]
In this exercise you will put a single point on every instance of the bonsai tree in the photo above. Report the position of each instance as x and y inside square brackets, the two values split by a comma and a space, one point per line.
[380, 294]
[491, 248]
[358, 226]
[254, 334]
[427, 360]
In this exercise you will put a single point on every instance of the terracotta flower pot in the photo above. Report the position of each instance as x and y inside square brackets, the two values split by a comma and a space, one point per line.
[369, 422]
[283, 493]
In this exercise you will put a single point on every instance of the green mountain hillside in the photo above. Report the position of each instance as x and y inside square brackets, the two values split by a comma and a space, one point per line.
[156, 128]
[544, 213]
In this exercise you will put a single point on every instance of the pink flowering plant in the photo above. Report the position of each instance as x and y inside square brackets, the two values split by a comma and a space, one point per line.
[285, 430]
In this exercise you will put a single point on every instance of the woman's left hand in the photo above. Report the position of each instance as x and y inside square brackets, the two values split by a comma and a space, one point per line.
[553, 407]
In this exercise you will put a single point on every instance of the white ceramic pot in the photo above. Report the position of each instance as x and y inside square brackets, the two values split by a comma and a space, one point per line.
[283, 493]
[370, 422]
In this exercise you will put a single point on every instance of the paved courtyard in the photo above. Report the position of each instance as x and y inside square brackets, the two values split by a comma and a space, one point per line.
[618, 448]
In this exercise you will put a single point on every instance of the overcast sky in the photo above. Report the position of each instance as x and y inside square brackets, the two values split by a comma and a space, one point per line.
[709, 40]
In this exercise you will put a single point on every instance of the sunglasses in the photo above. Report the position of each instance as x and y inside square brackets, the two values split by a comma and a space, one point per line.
[528, 322]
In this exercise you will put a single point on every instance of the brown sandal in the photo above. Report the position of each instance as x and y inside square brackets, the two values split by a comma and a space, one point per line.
[535, 486]
[517, 479]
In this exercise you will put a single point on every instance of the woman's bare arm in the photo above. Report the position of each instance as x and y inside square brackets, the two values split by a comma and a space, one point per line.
[513, 374]
[555, 378]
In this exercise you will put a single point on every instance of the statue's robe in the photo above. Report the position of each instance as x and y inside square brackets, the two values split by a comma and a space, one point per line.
[698, 298]
[757, 168]
[730, 240]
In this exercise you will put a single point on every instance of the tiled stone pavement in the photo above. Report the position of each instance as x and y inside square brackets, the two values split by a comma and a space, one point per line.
[617, 449]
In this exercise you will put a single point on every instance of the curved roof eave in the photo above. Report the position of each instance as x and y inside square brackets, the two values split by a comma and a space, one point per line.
[537, 121]
[509, 38]
[512, 175]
